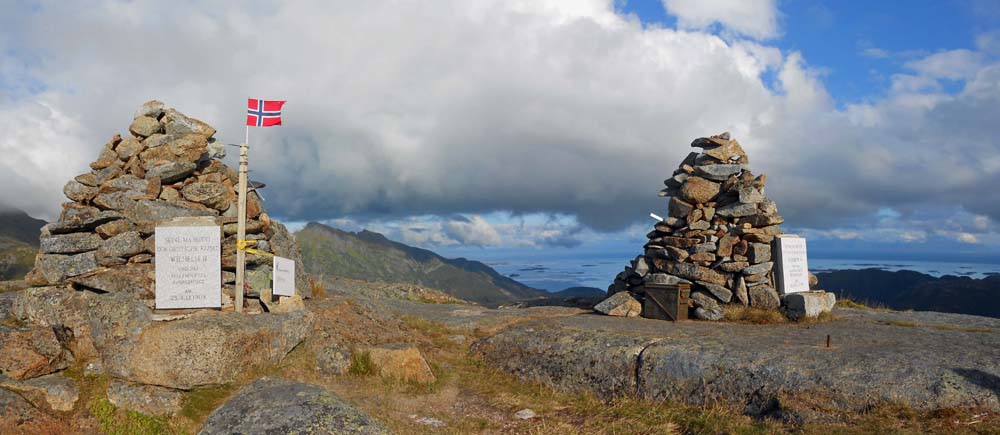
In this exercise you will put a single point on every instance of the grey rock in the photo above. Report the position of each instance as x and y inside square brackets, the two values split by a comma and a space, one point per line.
[763, 296]
[212, 195]
[128, 148]
[281, 406]
[700, 225]
[82, 223]
[179, 124]
[333, 359]
[123, 245]
[620, 304]
[640, 266]
[156, 140]
[734, 266]
[73, 243]
[679, 209]
[79, 192]
[145, 126]
[116, 201]
[133, 278]
[677, 254]
[740, 290]
[703, 247]
[147, 399]
[662, 278]
[721, 293]
[759, 253]
[718, 172]
[736, 209]
[55, 268]
[171, 171]
[155, 211]
[150, 108]
[126, 183]
[749, 195]
[31, 351]
[216, 150]
[690, 271]
[768, 207]
[525, 414]
[706, 307]
[758, 269]
[53, 391]
[808, 304]
[762, 220]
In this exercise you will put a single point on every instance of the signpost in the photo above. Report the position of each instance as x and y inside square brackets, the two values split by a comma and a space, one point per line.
[284, 276]
[793, 268]
[188, 267]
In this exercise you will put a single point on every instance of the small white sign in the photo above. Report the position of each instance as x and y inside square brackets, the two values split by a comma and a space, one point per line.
[792, 263]
[284, 276]
[188, 267]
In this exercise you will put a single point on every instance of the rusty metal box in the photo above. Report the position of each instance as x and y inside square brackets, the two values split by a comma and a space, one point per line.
[666, 302]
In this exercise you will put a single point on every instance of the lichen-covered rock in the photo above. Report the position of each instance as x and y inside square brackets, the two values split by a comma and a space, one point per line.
[210, 348]
[147, 399]
[32, 351]
[51, 391]
[620, 304]
[281, 406]
[762, 296]
[401, 361]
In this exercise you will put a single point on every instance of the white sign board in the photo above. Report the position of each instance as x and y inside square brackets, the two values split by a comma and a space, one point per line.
[188, 267]
[793, 267]
[284, 276]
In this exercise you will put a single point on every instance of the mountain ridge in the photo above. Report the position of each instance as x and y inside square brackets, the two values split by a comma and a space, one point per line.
[18, 243]
[909, 290]
[370, 256]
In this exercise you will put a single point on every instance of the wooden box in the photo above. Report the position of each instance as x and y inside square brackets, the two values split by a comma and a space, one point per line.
[666, 302]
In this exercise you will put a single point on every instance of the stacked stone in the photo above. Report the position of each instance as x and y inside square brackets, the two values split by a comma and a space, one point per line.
[168, 167]
[717, 236]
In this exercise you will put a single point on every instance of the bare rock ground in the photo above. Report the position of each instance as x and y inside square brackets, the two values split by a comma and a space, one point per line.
[927, 361]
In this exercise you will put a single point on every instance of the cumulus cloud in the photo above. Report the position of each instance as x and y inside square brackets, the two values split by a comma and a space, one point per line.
[757, 19]
[550, 108]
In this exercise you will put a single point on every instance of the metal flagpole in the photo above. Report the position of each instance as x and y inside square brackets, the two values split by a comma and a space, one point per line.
[241, 254]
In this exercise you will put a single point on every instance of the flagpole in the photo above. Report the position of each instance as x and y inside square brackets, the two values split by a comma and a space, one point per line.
[241, 232]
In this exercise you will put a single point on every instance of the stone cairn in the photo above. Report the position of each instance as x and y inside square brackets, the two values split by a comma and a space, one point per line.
[168, 167]
[717, 237]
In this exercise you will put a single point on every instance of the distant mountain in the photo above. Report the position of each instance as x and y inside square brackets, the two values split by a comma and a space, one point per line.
[370, 256]
[580, 292]
[908, 290]
[18, 243]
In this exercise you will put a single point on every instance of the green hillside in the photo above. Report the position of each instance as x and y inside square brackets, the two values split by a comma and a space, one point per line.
[370, 256]
[18, 243]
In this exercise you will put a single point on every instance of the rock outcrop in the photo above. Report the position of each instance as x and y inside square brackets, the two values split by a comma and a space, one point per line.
[281, 406]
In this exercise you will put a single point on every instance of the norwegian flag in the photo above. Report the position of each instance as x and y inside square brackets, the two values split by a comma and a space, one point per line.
[263, 113]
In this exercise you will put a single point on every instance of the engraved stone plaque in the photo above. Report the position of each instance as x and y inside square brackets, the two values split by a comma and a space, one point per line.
[792, 274]
[284, 276]
[188, 267]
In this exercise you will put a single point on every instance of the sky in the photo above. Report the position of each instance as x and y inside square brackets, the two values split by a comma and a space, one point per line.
[537, 127]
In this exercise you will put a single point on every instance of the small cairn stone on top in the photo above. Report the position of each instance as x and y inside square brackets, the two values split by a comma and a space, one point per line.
[716, 237]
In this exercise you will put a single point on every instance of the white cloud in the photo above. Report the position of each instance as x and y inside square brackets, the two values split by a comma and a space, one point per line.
[401, 110]
[967, 238]
[472, 232]
[953, 64]
[875, 53]
[757, 19]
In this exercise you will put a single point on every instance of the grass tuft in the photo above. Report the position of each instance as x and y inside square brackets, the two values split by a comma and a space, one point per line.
[754, 316]
[317, 287]
[200, 402]
[850, 303]
[362, 364]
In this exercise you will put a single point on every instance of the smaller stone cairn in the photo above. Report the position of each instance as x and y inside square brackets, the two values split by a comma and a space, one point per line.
[717, 236]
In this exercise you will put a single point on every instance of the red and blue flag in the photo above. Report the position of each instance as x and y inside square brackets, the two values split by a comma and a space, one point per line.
[263, 113]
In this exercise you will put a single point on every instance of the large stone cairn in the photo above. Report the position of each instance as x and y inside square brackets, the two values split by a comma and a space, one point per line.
[168, 167]
[717, 236]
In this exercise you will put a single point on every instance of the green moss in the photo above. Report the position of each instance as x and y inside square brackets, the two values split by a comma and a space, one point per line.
[124, 422]
[200, 402]
[362, 364]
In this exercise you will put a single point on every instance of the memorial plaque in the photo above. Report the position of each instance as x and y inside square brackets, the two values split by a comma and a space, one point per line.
[188, 267]
[284, 276]
[793, 268]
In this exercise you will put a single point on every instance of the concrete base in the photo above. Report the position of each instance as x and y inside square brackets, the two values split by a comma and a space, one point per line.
[808, 304]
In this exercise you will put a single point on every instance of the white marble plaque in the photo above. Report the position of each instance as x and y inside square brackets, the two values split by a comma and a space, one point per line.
[793, 267]
[284, 276]
[188, 267]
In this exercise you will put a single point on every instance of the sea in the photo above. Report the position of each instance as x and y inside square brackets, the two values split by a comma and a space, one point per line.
[554, 274]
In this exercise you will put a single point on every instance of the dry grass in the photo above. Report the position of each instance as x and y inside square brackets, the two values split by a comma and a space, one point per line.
[850, 303]
[317, 287]
[755, 316]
